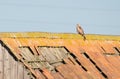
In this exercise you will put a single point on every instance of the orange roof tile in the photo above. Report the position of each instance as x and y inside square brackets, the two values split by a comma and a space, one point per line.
[66, 56]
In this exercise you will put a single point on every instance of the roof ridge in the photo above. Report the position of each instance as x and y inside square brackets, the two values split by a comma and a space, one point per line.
[57, 35]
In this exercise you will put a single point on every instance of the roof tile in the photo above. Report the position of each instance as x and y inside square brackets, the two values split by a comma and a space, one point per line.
[66, 56]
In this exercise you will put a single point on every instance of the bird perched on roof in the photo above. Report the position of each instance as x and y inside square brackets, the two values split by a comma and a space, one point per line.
[80, 31]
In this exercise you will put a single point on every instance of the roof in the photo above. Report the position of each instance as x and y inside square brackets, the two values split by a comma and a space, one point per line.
[66, 55]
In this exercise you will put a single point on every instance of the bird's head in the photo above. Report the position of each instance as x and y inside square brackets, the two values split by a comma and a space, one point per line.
[79, 26]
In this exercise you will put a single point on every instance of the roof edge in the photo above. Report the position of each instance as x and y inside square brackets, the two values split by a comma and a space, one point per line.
[57, 35]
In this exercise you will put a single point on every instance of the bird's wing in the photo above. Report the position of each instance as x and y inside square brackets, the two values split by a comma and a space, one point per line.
[80, 30]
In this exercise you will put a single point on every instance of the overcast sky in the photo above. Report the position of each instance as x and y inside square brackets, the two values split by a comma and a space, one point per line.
[95, 16]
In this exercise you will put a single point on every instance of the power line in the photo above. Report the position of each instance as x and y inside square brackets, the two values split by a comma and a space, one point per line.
[54, 23]
[59, 7]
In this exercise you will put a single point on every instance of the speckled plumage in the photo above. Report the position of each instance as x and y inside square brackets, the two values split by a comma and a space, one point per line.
[80, 31]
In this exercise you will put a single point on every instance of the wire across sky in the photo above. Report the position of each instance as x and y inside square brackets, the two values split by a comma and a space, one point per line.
[96, 17]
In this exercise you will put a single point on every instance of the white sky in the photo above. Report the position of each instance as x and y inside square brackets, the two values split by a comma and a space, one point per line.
[95, 16]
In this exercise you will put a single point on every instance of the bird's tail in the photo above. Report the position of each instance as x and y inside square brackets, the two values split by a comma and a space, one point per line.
[84, 37]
